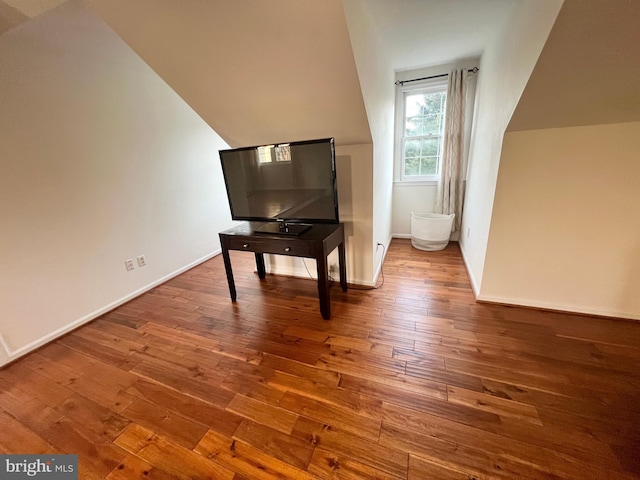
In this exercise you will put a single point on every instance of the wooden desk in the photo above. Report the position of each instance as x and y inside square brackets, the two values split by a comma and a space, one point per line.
[317, 242]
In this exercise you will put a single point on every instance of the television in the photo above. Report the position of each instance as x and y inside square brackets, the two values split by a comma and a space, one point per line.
[289, 186]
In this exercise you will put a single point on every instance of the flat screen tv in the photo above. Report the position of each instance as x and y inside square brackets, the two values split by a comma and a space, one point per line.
[289, 186]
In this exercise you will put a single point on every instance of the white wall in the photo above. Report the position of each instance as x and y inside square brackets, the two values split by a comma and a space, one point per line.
[256, 71]
[565, 232]
[505, 67]
[255, 82]
[365, 171]
[356, 209]
[409, 198]
[101, 161]
[376, 81]
[355, 181]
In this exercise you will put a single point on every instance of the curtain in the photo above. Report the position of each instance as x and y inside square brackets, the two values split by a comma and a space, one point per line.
[450, 193]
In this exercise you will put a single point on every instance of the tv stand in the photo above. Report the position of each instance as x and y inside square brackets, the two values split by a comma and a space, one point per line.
[283, 228]
[316, 242]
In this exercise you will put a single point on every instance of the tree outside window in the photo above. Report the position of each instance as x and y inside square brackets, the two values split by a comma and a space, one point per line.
[422, 132]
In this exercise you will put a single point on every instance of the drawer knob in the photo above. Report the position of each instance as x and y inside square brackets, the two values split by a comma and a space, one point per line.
[245, 245]
[287, 249]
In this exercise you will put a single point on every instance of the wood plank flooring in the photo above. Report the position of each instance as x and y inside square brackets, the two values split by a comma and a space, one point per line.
[413, 380]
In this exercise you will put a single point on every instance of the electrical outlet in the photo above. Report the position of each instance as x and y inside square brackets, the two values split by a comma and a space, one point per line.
[141, 261]
[129, 264]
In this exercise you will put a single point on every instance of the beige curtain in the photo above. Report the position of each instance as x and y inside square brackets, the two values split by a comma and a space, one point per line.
[450, 192]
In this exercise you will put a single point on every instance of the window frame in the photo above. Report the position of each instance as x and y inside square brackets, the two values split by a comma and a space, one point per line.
[429, 86]
[274, 154]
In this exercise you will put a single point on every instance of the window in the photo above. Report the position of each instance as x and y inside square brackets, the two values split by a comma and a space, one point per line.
[283, 153]
[420, 131]
[270, 153]
[264, 154]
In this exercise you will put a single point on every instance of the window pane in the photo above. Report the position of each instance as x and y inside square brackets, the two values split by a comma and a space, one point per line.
[432, 125]
[423, 130]
[414, 104]
[434, 103]
[430, 146]
[423, 125]
[424, 113]
[412, 148]
[264, 154]
[421, 156]
[428, 165]
[283, 153]
[412, 166]
[413, 126]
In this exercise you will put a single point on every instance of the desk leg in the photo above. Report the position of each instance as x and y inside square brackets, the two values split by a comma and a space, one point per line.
[227, 267]
[343, 267]
[262, 273]
[323, 287]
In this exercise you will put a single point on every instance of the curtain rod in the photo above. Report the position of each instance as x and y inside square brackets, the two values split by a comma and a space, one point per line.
[402, 82]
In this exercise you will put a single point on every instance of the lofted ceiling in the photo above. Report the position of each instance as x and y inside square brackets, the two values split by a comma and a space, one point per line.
[10, 17]
[414, 33]
[257, 72]
[255, 69]
[588, 71]
[423, 33]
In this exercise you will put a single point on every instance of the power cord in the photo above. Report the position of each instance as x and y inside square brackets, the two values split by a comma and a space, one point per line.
[375, 287]
[307, 269]
[309, 273]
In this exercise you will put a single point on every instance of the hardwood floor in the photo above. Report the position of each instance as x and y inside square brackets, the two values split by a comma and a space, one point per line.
[413, 380]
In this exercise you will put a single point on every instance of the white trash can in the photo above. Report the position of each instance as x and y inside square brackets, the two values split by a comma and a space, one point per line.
[430, 231]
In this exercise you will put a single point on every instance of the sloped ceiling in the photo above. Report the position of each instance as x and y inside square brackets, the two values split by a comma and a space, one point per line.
[257, 72]
[423, 33]
[10, 17]
[589, 70]
[261, 71]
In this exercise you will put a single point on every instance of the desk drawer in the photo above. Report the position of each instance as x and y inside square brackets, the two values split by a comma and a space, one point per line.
[280, 247]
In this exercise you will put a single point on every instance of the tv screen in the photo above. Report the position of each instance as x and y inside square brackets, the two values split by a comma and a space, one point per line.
[288, 182]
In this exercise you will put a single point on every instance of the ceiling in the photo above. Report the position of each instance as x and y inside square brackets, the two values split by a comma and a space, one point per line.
[414, 33]
[423, 33]
[589, 69]
[32, 8]
[255, 69]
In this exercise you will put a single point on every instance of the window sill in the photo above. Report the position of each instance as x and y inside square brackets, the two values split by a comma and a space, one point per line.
[414, 183]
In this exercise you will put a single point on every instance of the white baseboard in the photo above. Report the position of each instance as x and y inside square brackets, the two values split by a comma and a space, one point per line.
[474, 285]
[558, 307]
[529, 303]
[289, 271]
[302, 273]
[7, 354]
